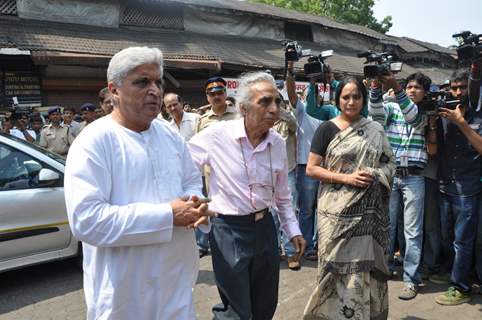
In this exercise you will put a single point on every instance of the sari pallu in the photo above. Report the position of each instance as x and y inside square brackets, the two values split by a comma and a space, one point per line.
[353, 228]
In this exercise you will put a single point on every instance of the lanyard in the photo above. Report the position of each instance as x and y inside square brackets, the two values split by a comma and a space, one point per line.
[250, 186]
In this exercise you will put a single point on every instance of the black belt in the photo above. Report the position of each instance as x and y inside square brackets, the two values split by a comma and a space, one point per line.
[408, 171]
[251, 217]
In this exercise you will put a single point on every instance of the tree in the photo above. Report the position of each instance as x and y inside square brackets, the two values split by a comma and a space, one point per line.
[351, 11]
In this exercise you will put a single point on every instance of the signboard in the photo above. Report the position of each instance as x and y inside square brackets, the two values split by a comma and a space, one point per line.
[26, 86]
[232, 85]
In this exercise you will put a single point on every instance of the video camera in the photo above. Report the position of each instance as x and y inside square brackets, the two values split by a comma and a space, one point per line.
[434, 100]
[470, 45]
[316, 67]
[294, 51]
[384, 62]
[18, 111]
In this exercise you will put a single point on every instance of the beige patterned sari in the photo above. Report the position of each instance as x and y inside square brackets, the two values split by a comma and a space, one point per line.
[353, 228]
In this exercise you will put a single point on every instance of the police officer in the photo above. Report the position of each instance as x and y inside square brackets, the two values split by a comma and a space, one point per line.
[215, 89]
[88, 115]
[56, 137]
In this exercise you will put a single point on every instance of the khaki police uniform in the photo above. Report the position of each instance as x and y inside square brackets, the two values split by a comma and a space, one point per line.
[210, 117]
[56, 139]
[82, 126]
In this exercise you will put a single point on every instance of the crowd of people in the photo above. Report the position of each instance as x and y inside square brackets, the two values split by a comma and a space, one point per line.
[368, 185]
[57, 131]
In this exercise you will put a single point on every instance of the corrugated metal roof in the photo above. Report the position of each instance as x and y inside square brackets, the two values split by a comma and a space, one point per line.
[431, 46]
[276, 12]
[250, 52]
[409, 46]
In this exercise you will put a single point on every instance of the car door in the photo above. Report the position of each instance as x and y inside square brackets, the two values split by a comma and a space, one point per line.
[33, 217]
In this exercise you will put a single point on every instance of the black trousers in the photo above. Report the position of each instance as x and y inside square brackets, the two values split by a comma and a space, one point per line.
[246, 267]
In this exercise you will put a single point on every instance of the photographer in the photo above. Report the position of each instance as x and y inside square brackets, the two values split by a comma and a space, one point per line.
[316, 108]
[21, 127]
[307, 187]
[459, 133]
[405, 128]
[287, 127]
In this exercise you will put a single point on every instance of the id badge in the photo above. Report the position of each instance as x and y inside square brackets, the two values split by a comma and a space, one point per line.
[404, 160]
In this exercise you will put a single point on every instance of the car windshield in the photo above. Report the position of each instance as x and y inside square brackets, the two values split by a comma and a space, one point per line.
[48, 153]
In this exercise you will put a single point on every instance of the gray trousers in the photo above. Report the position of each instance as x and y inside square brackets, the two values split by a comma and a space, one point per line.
[246, 266]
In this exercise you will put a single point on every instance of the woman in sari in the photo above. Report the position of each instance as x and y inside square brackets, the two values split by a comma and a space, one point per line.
[352, 157]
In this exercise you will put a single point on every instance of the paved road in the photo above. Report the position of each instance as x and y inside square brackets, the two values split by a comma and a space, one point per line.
[54, 291]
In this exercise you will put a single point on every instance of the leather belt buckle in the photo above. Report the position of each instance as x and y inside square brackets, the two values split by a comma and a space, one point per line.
[259, 215]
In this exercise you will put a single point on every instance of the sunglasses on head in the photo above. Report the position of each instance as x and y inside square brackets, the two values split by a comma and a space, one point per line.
[216, 93]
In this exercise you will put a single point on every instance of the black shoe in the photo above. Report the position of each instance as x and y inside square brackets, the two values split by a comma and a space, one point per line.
[311, 255]
[203, 252]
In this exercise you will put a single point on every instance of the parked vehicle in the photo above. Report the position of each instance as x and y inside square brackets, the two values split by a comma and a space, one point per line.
[33, 218]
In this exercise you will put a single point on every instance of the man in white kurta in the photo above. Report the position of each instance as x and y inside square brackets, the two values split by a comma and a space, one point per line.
[120, 185]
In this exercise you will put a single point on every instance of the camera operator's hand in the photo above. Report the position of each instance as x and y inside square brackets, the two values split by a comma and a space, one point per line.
[456, 115]
[290, 84]
[477, 63]
[329, 76]
[291, 65]
[432, 121]
[373, 83]
[389, 80]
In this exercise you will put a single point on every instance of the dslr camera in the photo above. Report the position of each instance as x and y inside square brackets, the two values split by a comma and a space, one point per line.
[470, 45]
[294, 51]
[379, 63]
[316, 67]
[434, 100]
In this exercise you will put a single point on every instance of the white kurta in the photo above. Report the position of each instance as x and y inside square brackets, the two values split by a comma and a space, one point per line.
[118, 185]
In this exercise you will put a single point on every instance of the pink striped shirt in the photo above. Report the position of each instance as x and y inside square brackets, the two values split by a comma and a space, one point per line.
[240, 180]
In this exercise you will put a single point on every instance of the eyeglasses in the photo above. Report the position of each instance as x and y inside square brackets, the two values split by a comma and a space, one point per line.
[263, 190]
[461, 87]
[216, 93]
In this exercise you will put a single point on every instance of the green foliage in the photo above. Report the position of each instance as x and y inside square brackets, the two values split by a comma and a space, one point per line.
[350, 11]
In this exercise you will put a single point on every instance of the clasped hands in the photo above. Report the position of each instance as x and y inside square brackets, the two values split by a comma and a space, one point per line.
[359, 178]
[190, 212]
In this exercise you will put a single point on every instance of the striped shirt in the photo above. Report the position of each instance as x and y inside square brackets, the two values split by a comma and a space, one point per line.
[404, 125]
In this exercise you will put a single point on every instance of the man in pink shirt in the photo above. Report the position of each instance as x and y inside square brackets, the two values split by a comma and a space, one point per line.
[249, 175]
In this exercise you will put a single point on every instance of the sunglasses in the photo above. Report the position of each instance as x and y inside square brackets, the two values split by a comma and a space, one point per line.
[216, 93]
[455, 88]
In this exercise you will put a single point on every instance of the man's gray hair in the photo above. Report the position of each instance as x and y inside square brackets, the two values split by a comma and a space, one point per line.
[246, 81]
[130, 58]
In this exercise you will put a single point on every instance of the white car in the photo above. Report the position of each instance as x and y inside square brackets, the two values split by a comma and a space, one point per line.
[33, 219]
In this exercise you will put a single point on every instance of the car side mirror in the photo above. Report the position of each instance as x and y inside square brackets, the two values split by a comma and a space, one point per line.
[47, 176]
